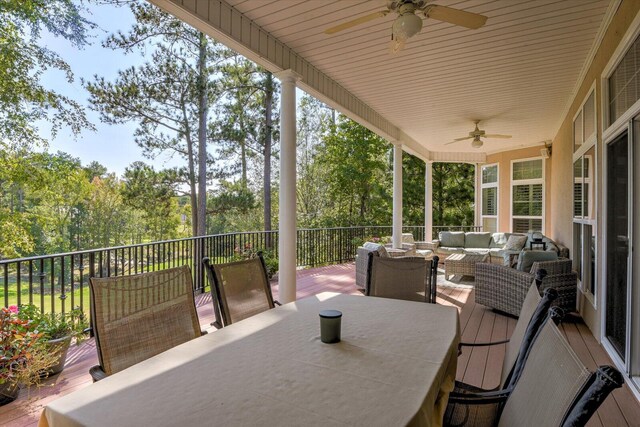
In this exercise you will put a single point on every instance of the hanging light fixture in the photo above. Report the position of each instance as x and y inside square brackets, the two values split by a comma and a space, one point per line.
[406, 25]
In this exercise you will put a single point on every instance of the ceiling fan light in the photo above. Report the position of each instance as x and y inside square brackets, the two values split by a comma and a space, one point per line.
[406, 26]
[476, 143]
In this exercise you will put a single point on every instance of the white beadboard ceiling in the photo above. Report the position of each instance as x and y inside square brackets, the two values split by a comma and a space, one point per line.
[517, 74]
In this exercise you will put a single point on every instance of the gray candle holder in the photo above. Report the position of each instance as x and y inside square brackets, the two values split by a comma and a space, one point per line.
[330, 325]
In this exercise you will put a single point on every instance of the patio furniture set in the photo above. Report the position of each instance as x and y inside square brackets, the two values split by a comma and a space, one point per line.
[503, 265]
[270, 363]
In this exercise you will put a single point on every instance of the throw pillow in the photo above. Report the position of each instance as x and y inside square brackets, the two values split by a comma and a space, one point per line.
[498, 240]
[515, 243]
[375, 247]
[527, 258]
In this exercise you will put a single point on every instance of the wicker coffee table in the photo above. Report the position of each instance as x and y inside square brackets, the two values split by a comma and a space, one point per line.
[463, 264]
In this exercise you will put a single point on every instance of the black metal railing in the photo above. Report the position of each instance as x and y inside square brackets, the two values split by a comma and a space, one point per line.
[59, 282]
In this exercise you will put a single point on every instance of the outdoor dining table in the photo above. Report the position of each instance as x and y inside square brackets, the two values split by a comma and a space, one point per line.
[395, 365]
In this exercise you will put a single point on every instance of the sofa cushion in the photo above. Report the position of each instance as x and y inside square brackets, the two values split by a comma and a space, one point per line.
[447, 250]
[375, 247]
[527, 258]
[453, 239]
[476, 251]
[515, 243]
[477, 240]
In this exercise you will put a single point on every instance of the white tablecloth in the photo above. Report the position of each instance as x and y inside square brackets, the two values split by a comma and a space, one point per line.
[395, 365]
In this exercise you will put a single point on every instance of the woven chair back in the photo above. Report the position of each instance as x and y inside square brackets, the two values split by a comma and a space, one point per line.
[137, 317]
[398, 278]
[552, 378]
[242, 289]
[512, 349]
[559, 266]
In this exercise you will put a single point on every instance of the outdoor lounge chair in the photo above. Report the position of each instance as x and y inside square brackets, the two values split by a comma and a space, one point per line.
[239, 289]
[555, 389]
[406, 278]
[137, 317]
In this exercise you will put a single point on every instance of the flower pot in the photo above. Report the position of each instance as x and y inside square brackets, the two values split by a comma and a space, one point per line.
[58, 347]
[8, 392]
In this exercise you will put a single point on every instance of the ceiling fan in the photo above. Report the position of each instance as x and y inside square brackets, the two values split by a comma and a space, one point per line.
[477, 136]
[408, 24]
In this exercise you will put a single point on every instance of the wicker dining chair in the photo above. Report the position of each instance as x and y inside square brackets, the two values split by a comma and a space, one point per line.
[406, 278]
[555, 389]
[239, 289]
[139, 316]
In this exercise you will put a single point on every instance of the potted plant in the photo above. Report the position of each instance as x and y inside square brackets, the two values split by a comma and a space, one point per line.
[22, 355]
[56, 330]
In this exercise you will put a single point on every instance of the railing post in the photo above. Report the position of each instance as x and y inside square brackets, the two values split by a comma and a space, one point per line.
[200, 284]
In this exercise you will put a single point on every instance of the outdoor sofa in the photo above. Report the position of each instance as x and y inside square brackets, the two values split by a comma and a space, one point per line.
[494, 244]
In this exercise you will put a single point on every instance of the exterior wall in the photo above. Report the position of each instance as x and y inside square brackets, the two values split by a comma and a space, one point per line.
[504, 159]
[561, 187]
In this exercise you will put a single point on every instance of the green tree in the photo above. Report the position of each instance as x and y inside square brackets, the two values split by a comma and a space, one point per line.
[314, 123]
[153, 195]
[453, 194]
[168, 97]
[413, 170]
[357, 166]
[244, 130]
[23, 98]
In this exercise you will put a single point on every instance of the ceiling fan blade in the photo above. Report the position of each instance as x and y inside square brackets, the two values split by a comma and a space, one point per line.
[498, 136]
[455, 16]
[458, 140]
[357, 21]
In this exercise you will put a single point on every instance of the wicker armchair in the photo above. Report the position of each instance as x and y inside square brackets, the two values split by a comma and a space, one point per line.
[504, 288]
[239, 289]
[406, 278]
[137, 317]
[555, 389]
[362, 260]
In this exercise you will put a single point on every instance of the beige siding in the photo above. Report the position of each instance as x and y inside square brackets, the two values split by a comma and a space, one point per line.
[562, 184]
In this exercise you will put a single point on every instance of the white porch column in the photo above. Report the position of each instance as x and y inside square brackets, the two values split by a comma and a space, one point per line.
[477, 193]
[287, 209]
[397, 196]
[428, 201]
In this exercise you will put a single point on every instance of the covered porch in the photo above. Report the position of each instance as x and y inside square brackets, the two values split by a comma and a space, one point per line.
[558, 77]
[481, 366]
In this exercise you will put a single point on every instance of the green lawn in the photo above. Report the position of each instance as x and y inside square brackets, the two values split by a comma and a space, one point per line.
[24, 299]
[37, 300]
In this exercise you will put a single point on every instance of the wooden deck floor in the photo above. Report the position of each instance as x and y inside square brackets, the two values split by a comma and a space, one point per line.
[481, 366]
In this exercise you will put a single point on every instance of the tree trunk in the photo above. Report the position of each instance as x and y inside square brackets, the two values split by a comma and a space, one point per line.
[243, 151]
[268, 105]
[201, 228]
[192, 186]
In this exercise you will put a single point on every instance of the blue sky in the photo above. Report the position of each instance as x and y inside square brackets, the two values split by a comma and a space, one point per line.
[111, 145]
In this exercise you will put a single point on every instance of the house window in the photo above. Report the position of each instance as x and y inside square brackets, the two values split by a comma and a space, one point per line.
[624, 83]
[489, 203]
[584, 237]
[584, 123]
[527, 195]
[584, 225]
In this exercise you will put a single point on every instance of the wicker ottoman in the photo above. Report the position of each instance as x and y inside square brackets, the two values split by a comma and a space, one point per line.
[463, 264]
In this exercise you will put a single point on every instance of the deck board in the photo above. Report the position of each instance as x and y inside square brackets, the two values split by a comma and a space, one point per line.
[479, 366]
